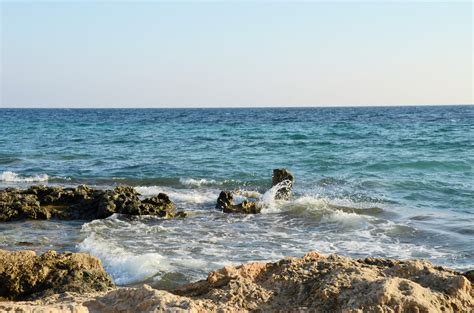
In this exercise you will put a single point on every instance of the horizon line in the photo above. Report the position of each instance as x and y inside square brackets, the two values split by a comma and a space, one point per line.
[242, 107]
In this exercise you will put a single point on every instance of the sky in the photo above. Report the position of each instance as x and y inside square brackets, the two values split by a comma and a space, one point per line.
[235, 54]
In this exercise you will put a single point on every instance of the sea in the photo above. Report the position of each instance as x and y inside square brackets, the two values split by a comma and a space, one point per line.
[392, 182]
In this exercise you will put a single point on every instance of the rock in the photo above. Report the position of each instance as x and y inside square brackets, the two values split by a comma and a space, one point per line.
[313, 283]
[160, 205]
[227, 204]
[23, 274]
[82, 202]
[317, 283]
[285, 180]
[469, 275]
[282, 178]
[14, 205]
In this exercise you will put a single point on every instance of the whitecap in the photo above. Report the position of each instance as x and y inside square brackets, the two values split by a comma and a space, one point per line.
[349, 220]
[9, 176]
[184, 196]
[197, 182]
[124, 266]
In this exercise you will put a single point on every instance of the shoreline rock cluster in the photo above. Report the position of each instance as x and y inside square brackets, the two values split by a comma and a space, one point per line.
[86, 203]
[314, 283]
[77, 282]
[80, 203]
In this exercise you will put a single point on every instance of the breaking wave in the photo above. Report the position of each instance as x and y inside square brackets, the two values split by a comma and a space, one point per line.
[197, 182]
[9, 176]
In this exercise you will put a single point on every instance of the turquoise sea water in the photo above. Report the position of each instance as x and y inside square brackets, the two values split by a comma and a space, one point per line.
[394, 182]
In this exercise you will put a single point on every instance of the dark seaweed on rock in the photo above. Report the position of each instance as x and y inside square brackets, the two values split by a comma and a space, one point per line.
[82, 203]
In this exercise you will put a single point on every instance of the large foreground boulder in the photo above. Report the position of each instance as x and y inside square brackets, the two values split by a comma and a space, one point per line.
[317, 283]
[82, 202]
[23, 274]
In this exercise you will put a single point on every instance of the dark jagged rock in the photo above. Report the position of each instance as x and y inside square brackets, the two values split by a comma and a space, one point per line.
[226, 203]
[82, 202]
[14, 204]
[281, 177]
[469, 275]
[286, 179]
[24, 275]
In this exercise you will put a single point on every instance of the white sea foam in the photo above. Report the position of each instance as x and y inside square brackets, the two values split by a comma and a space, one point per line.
[9, 176]
[125, 267]
[196, 182]
[268, 201]
[180, 196]
[350, 220]
[138, 249]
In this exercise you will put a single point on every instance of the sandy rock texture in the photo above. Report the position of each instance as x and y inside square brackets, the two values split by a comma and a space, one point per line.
[81, 202]
[24, 275]
[314, 283]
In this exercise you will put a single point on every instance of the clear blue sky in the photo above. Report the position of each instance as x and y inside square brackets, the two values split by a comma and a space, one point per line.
[159, 54]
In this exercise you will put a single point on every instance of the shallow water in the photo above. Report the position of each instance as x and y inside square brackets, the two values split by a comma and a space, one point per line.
[391, 182]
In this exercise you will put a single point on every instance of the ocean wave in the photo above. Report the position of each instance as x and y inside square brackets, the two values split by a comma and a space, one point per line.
[168, 252]
[124, 266]
[181, 196]
[9, 176]
[197, 182]
[314, 203]
[348, 220]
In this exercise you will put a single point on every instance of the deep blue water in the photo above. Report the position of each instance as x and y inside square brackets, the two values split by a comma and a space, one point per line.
[414, 163]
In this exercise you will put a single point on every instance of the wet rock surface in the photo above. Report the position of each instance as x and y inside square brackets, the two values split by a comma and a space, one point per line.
[24, 275]
[226, 202]
[282, 180]
[313, 283]
[82, 202]
[285, 179]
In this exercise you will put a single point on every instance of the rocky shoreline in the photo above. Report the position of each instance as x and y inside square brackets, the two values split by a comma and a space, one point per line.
[87, 203]
[80, 203]
[76, 282]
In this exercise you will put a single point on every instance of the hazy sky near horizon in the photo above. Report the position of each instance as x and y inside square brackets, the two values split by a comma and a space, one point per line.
[219, 54]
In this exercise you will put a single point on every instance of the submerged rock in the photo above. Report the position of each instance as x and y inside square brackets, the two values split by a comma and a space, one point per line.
[285, 180]
[23, 274]
[227, 204]
[82, 202]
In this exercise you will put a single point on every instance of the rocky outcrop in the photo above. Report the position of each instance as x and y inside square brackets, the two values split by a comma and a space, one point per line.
[469, 275]
[23, 274]
[227, 204]
[282, 182]
[284, 179]
[313, 283]
[82, 202]
[334, 284]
